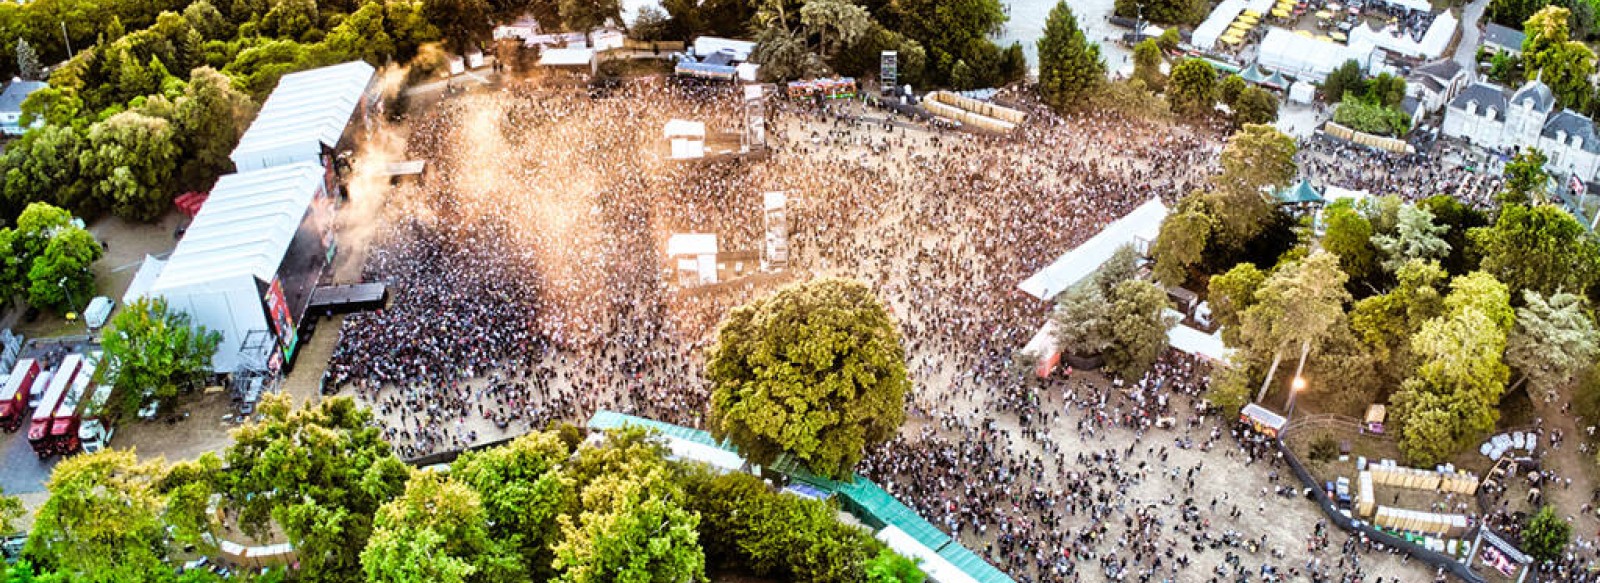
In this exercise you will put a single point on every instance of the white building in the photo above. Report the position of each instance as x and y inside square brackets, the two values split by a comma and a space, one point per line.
[1435, 84]
[1485, 116]
[11, 106]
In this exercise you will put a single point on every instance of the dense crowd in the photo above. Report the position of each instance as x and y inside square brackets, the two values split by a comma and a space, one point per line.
[529, 286]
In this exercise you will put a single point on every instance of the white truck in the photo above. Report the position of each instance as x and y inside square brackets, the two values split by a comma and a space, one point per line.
[96, 428]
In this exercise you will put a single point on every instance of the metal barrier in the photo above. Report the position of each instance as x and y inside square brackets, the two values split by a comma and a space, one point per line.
[1449, 564]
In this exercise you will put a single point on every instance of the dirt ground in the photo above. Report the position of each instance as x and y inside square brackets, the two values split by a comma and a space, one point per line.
[127, 244]
[197, 426]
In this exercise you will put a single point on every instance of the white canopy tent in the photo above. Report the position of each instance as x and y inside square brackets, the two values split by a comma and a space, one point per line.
[682, 128]
[1308, 59]
[938, 568]
[233, 249]
[1302, 92]
[1418, 5]
[696, 255]
[566, 57]
[707, 45]
[1139, 228]
[1205, 36]
[1192, 341]
[307, 111]
[1432, 46]
[716, 457]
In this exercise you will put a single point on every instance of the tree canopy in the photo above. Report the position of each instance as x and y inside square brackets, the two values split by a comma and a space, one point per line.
[816, 371]
[155, 349]
[1069, 64]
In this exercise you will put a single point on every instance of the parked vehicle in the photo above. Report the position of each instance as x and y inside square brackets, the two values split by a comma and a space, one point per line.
[14, 396]
[97, 426]
[44, 414]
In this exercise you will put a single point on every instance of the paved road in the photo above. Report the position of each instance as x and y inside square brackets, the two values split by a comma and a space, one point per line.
[1467, 49]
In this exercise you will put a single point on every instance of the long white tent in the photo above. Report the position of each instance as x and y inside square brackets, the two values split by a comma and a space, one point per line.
[1139, 228]
[1309, 59]
[233, 250]
[1191, 341]
[307, 111]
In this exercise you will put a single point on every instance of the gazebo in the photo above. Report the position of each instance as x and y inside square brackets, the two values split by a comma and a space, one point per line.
[1301, 197]
[1252, 74]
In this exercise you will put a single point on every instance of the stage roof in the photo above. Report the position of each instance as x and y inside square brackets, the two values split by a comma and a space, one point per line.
[306, 106]
[1144, 223]
[245, 227]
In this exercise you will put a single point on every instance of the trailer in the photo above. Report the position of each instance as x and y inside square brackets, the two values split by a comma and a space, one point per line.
[14, 396]
[63, 439]
[39, 428]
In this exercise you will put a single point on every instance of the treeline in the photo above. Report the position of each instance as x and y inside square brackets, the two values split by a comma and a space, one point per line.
[546, 506]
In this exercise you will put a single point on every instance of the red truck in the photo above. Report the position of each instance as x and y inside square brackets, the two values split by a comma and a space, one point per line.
[39, 428]
[16, 392]
[64, 424]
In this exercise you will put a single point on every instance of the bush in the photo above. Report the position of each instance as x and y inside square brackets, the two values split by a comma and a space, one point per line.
[1365, 116]
[1324, 449]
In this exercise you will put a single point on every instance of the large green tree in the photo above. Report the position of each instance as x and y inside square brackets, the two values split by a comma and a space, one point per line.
[633, 526]
[1232, 293]
[1386, 322]
[1550, 54]
[1257, 161]
[1527, 182]
[1555, 341]
[1255, 106]
[319, 473]
[1461, 373]
[1138, 326]
[1069, 65]
[59, 278]
[524, 490]
[952, 31]
[155, 349]
[746, 525]
[1542, 248]
[1297, 307]
[837, 22]
[1347, 79]
[1547, 534]
[102, 522]
[1192, 89]
[1349, 235]
[436, 531]
[1415, 237]
[816, 371]
[132, 159]
[1183, 240]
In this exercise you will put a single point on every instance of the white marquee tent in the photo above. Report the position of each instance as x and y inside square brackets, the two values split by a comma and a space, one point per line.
[707, 45]
[1308, 59]
[308, 110]
[1139, 228]
[566, 57]
[1192, 341]
[1432, 46]
[232, 249]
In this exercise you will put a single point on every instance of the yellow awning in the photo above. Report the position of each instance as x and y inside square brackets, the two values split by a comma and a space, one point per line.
[1232, 40]
[1324, 14]
[1249, 19]
[1305, 33]
[1252, 13]
[1338, 36]
[1281, 13]
[1324, 38]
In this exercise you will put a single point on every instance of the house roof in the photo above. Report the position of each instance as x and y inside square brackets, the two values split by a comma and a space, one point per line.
[1429, 83]
[1486, 96]
[309, 105]
[1543, 99]
[1442, 70]
[11, 99]
[244, 228]
[1574, 125]
[1503, 37]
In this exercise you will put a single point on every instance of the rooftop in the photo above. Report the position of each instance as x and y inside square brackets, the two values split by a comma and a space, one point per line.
[244, 228]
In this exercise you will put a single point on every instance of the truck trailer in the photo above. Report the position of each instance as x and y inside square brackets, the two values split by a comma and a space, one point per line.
[63, 439]
[60, 382]
[14, 396]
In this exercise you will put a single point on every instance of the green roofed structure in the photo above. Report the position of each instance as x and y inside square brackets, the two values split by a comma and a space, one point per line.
[1301, 193]
[1253, 74]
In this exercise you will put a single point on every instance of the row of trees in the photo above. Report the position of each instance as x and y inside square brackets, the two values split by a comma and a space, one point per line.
[941, 42]
[542, 507]
[1368, 105]
[1431, 306]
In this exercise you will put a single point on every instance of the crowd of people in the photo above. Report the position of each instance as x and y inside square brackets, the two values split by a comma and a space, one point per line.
[529, 286]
